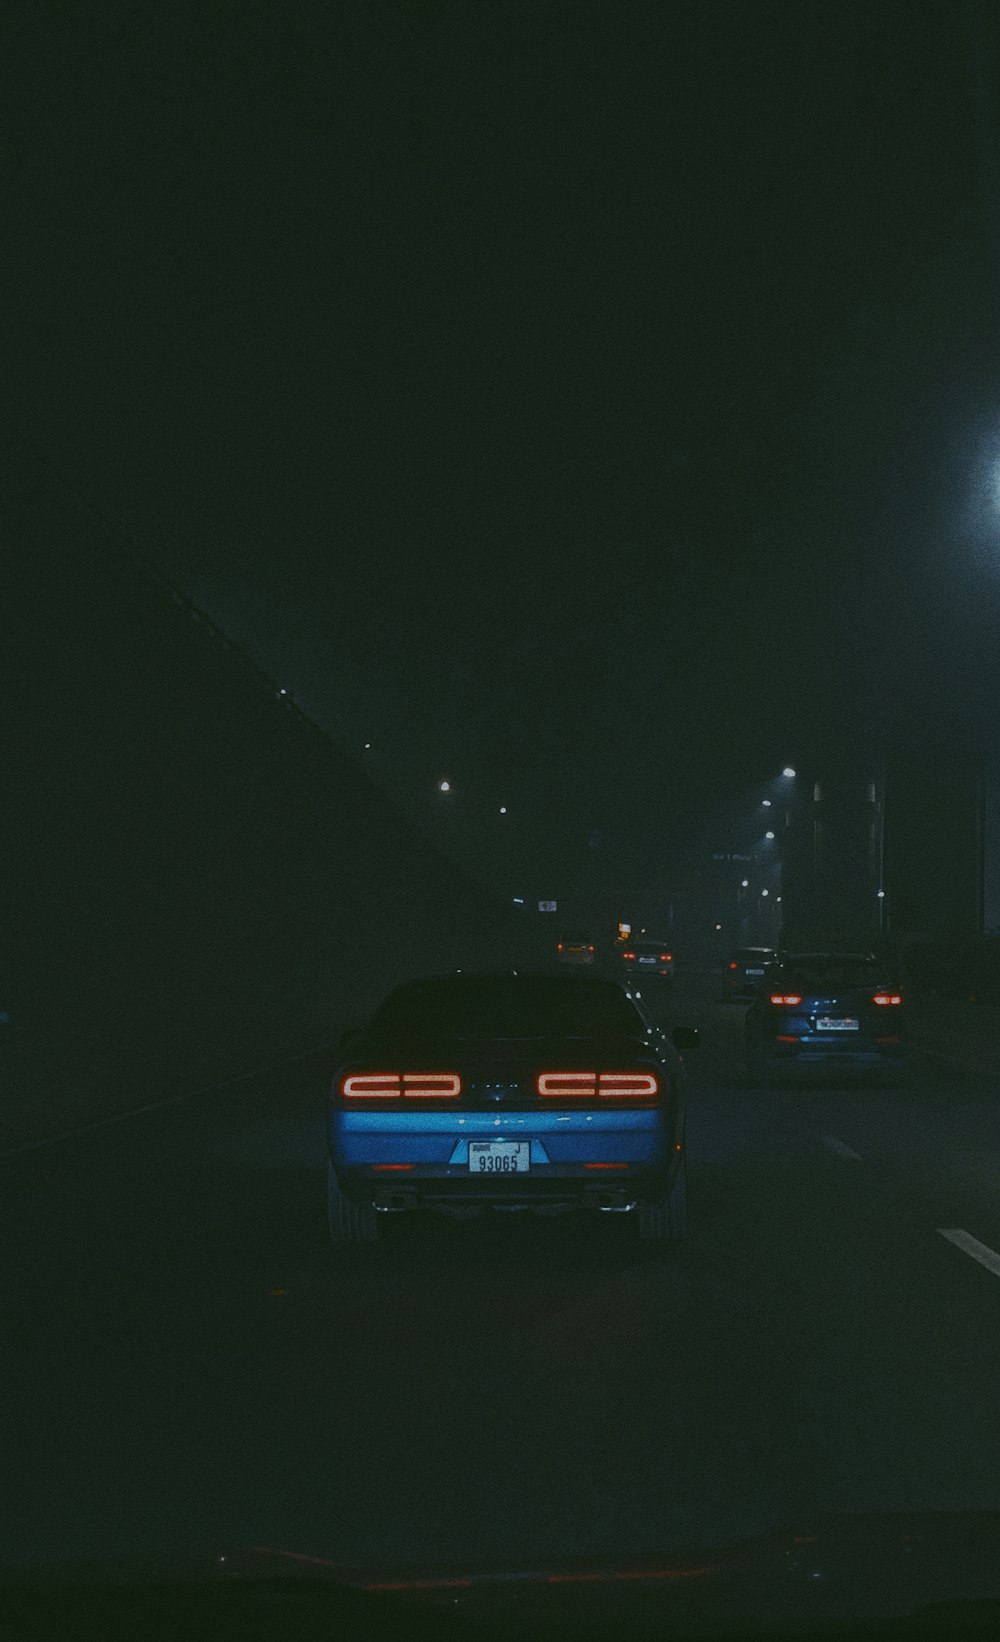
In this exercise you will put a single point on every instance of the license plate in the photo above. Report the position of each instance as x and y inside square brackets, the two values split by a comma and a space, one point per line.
[826, 1023]
[754, 972]
[499, 1156]
[647, 960]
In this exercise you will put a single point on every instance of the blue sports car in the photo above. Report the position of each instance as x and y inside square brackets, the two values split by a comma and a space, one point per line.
[468, 1093]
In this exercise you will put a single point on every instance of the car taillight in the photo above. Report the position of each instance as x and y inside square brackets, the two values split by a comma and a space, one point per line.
[734, 966]
[590, 949]
[607, 1085]
[401, 1085]
[630, 956]
[883, 998]
[559, 946]
[628, 1085]
[791, 999]
[666, 958]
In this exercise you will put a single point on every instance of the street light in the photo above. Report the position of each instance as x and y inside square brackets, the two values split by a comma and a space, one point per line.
[766, 803]
[744, 883]
[765, 892]
[769, 835]
[368, 746]
[444, 786]
[503, 809]
[881, 894]
[788, 773]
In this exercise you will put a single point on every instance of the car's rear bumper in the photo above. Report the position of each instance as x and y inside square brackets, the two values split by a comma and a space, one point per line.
[574, 1156]
[825, 1052]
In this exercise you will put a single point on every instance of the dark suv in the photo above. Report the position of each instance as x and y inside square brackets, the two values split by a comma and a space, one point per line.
[826, 1009]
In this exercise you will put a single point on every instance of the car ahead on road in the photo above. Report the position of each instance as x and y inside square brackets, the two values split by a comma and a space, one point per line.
[576, 947]
[822, 1010]
[745, 970]
[645, 959]
[468, 1093]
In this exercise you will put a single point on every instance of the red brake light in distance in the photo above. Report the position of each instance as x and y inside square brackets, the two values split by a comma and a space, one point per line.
[665, 957]
[590, 949]
[559, 946]
[887, 997]
[793, 999]
[734, 966]
[629, 955]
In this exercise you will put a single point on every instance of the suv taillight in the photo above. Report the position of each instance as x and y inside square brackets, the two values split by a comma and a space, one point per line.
[883, 998]
[787, 999]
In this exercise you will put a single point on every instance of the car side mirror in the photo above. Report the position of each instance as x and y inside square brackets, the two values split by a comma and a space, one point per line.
[348, 1039]
[685, 1038]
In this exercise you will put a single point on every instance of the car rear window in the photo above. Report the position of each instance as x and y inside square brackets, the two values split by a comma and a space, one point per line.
[507, 1007]
[826, 972]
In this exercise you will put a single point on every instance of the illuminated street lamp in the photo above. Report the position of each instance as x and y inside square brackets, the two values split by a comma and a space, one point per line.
[744, 883]
[444, 786]
[765, 892]
[769, 835]
[788, 773]
[503, 809]
[766, 803]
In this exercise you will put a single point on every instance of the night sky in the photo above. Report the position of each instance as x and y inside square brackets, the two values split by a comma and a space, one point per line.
[595, 404]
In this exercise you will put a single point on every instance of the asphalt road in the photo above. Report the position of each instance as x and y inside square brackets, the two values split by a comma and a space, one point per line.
[187, 1365]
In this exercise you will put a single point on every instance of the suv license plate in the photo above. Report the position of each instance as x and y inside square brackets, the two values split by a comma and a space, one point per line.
[499, 1156]
[826, 1023]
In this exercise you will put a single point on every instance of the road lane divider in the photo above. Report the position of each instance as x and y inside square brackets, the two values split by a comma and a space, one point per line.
[841, 1148]
[971, 1245]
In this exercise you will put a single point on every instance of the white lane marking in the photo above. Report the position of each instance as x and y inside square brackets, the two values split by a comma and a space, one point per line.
[840, 1148]
[971, 1245]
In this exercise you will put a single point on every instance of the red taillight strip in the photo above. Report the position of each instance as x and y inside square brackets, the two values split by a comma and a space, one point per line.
[791, 998]
[387, 1086]
[432, 1085]
[887, 997]
[390, 1085]
[566, 1083]
[609, 1085]
[623, 1084]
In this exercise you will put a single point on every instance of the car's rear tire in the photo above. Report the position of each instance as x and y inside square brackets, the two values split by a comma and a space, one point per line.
[666, 1220]
[349, 1222]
